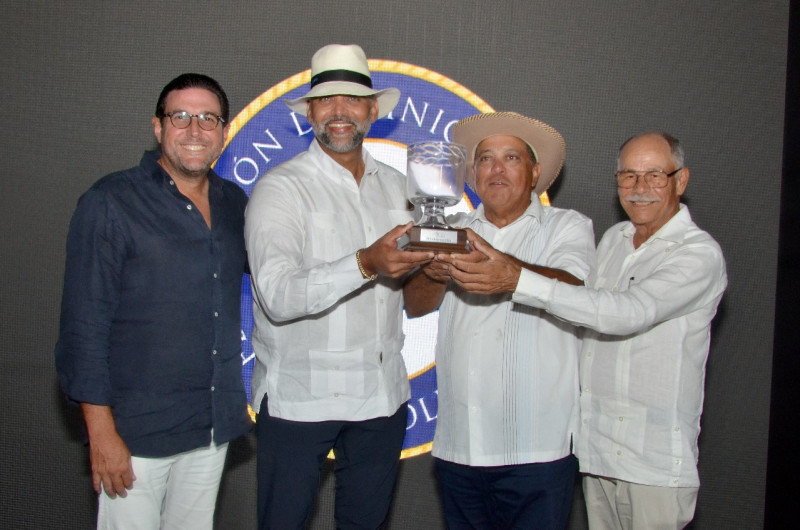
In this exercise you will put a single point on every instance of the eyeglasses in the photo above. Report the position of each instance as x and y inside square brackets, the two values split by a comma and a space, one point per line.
[654, 178]
[182, 119]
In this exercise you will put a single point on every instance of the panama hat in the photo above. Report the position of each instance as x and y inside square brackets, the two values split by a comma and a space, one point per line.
[547, 144]
[342, 69]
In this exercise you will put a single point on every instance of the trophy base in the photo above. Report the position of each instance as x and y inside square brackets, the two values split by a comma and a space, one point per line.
[434, 240]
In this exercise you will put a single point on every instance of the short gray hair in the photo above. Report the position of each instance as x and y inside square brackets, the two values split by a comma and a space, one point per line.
[675, 147]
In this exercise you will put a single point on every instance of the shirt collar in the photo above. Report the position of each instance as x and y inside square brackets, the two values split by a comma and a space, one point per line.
[673, 230]
[150, 163]
[534, 210]
[331, 169]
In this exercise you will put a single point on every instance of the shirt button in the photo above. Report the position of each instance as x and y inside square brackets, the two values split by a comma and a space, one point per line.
[215, 275]
[336, 394]
[674, 481]
[213, 352]
[585, 422]
[677, 461]
[677, 428]
[171, 182]
[213, 388]
[587, 390]
[216, 314]
[621, 418]
[589, 354]
[188, 206]
[619, 453]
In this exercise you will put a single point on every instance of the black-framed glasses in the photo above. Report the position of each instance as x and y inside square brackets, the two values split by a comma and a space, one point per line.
[655, 178]
[182, 119]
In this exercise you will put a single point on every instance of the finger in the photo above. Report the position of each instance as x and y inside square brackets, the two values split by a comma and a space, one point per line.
[439, 275]
[97, 484]
[399, 230]
[414, 257]
[127, 478]
[469, 266]
[119, 486]
[106, 484]
[484, 248]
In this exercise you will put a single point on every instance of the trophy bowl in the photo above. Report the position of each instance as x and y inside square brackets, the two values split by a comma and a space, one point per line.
[434, 180]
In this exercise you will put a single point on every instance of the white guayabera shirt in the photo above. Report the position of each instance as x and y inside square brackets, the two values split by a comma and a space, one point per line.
[508, 373]
[643, 360]
[327, 341]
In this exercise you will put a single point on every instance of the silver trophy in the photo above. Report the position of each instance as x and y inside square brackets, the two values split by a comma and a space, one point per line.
[435, 180]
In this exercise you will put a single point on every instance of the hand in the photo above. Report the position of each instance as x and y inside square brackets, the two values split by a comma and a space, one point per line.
[382, 257]
[484, 270]
[437, 270]
[111, 466]
[110, 458]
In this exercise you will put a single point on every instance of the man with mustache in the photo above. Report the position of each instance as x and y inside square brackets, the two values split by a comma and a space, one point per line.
[149, 343]
[507, 373]
[327, 282]
[648, 314]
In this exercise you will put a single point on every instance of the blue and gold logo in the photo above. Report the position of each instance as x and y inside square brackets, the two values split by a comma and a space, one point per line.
[266, 133]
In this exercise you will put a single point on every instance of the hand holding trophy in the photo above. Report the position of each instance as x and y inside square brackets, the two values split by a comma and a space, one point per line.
[435, 179]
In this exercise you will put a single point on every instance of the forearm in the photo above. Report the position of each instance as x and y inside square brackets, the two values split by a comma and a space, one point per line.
[99, 421]
[549, 272]
[422, 295]
[286, 292]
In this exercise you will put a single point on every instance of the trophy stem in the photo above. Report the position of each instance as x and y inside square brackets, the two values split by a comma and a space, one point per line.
[433, 214]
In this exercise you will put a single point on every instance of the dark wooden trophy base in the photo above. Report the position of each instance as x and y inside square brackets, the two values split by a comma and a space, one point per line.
[434, 240]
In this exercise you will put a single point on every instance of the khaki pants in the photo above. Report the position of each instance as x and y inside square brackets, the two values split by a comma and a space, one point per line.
[619, 505]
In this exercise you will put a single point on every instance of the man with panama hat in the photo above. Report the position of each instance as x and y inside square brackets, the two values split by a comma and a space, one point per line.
[327, 283]
[507, 373]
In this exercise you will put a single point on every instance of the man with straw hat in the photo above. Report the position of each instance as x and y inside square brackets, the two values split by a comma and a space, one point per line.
[327, 282]
[507, 373]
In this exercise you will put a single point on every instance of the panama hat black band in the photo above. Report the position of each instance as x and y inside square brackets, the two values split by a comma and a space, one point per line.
[341, 75]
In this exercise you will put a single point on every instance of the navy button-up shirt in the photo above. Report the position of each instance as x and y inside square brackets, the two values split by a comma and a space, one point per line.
[150, 316]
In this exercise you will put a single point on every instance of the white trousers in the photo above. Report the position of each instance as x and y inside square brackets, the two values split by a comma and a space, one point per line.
[614, 504]
[170, 493]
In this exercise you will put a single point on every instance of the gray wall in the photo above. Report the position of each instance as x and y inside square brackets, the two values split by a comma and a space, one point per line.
[80, 80]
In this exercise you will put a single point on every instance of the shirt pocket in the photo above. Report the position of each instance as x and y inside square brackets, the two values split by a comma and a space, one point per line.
[326, 242]
[389, 219]
[341, 373]
[624, 426]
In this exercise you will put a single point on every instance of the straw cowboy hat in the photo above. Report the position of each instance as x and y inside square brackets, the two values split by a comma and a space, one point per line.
[547, 144]
[342, 69]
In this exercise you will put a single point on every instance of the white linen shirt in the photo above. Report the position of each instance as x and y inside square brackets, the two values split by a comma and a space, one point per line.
[508, 374]
[643, 360]
[327, 341]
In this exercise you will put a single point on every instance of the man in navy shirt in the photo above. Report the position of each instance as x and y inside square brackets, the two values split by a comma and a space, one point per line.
[149, 342]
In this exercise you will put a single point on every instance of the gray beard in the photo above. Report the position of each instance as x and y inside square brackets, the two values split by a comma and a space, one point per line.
[324, 138]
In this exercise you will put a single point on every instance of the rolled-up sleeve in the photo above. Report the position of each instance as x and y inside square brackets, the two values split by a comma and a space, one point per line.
[95, 255]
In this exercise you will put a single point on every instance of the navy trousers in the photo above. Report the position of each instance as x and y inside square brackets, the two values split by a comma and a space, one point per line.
[291, 453]
[526, 496]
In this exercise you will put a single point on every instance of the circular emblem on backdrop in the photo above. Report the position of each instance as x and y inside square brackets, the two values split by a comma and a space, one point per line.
[266, 133]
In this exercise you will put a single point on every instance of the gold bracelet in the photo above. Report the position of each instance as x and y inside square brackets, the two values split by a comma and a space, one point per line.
[370, 277]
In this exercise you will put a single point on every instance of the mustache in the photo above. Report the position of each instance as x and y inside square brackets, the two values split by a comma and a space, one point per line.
[345, 119]
[642, 197]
